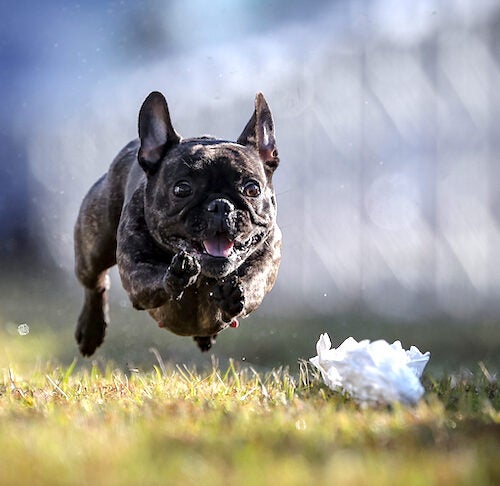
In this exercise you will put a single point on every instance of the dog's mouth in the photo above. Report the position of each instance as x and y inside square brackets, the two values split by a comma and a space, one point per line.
[219, 246]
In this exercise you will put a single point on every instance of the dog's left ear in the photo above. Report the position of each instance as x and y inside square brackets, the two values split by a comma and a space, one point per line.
[259, 133]
[155, 131]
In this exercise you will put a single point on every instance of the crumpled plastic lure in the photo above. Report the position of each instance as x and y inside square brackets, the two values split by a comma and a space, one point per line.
[372, 371]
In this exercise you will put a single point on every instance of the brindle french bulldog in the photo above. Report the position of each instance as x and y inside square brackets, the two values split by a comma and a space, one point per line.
[191, 224]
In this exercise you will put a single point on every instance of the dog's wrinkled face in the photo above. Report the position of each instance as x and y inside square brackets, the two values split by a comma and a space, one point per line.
[210, 198]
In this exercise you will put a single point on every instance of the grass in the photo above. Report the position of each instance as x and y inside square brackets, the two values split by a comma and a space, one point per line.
[126, 418]
[63, 425]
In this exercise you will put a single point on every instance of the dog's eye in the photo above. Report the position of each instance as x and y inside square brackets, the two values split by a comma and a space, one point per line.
[251, 189]
[182, 189]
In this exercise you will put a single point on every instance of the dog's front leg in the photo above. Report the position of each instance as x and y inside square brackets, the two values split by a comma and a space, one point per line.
[150, 275]
[181, 273]
[243, 291]
[258, 274]
[229, 296]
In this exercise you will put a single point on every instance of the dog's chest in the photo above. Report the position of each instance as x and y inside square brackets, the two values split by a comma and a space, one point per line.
[194, 314]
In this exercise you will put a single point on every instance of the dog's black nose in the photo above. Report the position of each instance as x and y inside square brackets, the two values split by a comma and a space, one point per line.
[220, 206]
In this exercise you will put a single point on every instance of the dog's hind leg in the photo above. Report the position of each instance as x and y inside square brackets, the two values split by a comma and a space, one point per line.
[205, 342]
[94, 318]
[95, 252]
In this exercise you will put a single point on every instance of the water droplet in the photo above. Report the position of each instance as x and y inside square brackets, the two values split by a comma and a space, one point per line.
[23, 329]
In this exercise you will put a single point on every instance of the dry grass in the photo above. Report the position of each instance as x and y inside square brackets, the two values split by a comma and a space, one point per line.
[174, 425]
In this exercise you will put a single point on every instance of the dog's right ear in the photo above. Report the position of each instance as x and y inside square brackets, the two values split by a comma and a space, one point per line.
[156, 132]
[259, 134]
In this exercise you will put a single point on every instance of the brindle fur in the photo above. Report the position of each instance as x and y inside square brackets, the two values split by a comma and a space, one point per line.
[132, 217]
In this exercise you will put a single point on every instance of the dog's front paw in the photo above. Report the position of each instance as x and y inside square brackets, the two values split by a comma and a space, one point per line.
[182, 272]
[228, 295]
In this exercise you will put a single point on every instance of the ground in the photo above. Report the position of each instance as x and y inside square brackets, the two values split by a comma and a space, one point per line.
[170, 424]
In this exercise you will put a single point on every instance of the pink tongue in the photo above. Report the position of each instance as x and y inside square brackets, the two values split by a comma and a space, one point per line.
[218, 246]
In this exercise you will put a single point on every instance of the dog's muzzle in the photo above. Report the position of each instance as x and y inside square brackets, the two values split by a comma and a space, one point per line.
[220, 207]
[219, 245]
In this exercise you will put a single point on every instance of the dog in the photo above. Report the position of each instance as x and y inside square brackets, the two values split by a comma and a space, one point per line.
[191, 224]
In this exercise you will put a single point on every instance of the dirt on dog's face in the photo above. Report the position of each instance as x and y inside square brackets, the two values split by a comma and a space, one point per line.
[213, 200]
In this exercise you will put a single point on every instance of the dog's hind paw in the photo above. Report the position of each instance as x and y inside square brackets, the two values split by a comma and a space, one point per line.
[91, 329]
[90, 337]
[205, 342]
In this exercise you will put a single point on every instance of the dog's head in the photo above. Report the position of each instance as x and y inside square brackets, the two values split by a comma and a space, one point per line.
[211, 198]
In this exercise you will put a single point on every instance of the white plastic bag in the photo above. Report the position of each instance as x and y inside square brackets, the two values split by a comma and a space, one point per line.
[375, 371]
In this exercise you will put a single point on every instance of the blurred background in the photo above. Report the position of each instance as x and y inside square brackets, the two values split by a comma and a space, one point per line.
[388, 124]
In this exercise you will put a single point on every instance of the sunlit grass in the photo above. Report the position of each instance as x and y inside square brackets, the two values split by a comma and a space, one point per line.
[234, 425]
